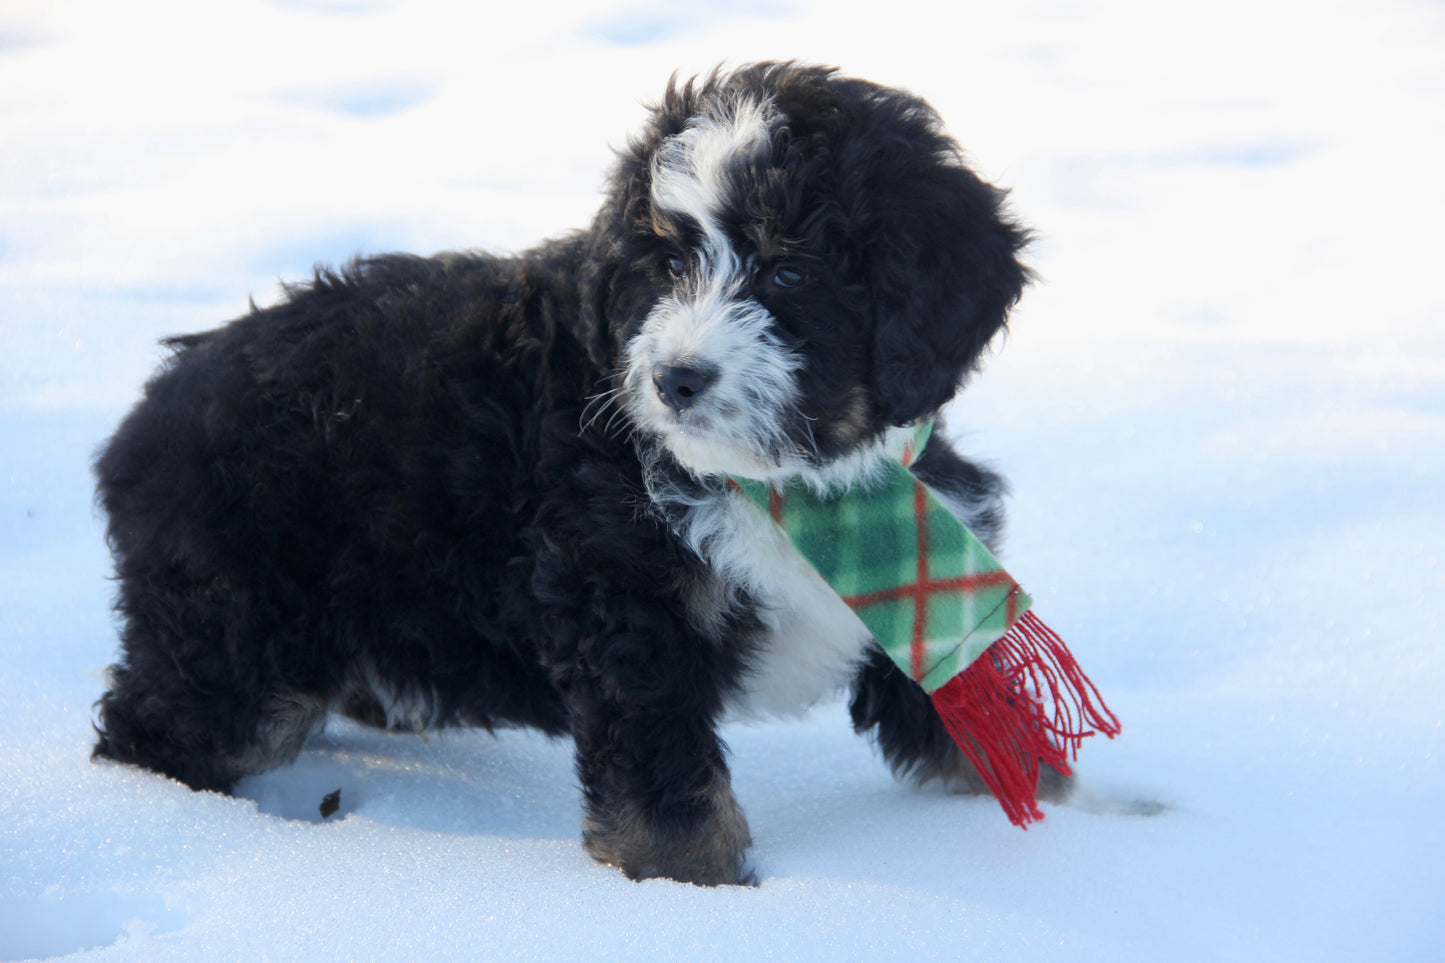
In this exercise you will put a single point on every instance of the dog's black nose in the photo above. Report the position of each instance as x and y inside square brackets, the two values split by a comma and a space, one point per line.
[680, 385]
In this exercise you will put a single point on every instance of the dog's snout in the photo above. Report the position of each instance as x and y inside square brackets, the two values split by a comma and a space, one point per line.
[681, 385]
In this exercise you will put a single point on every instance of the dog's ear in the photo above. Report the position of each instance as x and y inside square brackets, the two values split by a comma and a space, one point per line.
[611, 296]
[944, 269]
[590, 323]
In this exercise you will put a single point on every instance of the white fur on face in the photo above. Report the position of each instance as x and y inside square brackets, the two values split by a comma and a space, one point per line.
[738, 425]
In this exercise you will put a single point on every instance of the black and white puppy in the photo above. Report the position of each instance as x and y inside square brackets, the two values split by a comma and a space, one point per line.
[491, 491]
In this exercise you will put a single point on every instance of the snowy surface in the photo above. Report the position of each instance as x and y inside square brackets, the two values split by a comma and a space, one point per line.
[1223, 413]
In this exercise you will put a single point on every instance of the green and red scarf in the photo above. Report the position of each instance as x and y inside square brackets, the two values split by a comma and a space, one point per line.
[939, 604]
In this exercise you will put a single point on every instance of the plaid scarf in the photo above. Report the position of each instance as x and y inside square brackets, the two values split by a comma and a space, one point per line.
[937, 601]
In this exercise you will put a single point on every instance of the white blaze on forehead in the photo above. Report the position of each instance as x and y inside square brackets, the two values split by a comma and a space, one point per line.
[689, 173]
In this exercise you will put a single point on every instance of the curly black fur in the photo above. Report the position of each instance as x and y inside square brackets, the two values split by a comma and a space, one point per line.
[444, 491]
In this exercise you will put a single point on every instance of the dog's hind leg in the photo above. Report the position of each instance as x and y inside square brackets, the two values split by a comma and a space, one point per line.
[199, 736]
[186, 700]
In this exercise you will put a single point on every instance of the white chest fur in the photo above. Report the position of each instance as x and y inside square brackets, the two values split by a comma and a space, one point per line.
[812, 641]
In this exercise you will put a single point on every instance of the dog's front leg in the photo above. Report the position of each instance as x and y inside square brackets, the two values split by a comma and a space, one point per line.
[643, 665]
[658, 799]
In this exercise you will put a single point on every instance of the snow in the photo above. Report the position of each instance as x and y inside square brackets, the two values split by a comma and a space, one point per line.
[1222, 412]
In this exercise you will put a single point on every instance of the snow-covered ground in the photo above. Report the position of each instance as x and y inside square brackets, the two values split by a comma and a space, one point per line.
[1223, 413]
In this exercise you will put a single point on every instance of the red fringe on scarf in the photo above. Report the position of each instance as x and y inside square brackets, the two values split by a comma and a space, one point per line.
[1022, 704]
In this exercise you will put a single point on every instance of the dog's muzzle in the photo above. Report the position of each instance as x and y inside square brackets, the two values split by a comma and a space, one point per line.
[709, 375]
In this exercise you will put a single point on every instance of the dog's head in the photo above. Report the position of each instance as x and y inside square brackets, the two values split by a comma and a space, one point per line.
[799, 262]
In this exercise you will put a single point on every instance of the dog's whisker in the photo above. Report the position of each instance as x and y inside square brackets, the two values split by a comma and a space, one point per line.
[599, 403]
[595, 409]
[619, 414]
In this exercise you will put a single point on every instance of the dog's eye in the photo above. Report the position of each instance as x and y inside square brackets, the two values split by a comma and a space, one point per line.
[787, 276]
[676, 265]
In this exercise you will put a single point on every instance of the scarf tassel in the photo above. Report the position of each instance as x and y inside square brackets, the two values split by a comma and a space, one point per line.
[1023, 704]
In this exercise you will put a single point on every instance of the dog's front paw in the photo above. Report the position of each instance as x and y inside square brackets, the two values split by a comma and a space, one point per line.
[708, 848]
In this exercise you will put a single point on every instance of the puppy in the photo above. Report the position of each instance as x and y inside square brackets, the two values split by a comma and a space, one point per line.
[491, 491]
